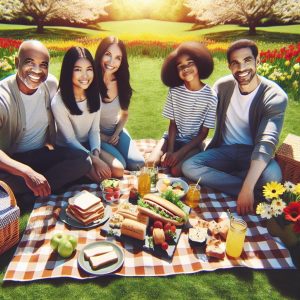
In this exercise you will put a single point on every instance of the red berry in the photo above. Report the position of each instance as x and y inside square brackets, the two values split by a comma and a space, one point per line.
[167, 226]
[173, 228]
[116, 194]
[108, 197]
[158, 224]
[108, 190]
[164, 245]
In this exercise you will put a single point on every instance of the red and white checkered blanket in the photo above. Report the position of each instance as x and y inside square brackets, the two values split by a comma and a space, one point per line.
[35, 260]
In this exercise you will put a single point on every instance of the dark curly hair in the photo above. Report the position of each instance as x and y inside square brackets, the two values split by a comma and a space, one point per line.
[242, 43]
[122, 74]
[66, 84]
[197, 52]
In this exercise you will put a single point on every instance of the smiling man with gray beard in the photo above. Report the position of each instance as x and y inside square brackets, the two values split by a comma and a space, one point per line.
[28, 161]
[239, 159]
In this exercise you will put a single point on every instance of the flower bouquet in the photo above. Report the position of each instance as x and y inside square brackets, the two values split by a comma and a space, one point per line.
[282, 211]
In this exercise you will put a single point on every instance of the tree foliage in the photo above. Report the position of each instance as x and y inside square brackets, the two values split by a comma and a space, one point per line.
[41, 11]
[247, 12]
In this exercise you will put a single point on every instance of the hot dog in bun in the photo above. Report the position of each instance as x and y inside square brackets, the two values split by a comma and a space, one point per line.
[161, 209]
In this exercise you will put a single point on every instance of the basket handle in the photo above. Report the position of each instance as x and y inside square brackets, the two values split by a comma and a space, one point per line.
[10, 193]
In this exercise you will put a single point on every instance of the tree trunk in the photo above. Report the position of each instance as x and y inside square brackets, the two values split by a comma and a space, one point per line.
[40, 26]
[252, 29]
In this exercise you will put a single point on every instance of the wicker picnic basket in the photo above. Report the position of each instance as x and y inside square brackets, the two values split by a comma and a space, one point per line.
[9, 218]
[288, 157]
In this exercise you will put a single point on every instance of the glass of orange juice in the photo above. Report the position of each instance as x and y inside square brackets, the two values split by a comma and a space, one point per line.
[144, 181]
[192, 198]
[236, 237]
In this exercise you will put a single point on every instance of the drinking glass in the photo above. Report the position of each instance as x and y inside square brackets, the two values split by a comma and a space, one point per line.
[144, 181]
[193, 195]
[236, 237]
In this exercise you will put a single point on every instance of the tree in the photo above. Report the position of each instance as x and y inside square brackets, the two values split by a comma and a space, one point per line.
[248, 12]
[41, 11]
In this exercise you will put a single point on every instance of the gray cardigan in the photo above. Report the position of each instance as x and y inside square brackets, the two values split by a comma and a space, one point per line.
[12, 112]
[266, 116]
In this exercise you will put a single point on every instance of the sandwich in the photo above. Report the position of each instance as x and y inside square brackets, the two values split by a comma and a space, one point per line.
[104, 259]
[88, 253]
[134, 229]
[215, 248]
[130, 211]
[85, 208]
[220, 228]
[161, 209]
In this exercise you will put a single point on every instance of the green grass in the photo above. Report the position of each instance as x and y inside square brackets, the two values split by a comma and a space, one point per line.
[145, 120]
[267, 37]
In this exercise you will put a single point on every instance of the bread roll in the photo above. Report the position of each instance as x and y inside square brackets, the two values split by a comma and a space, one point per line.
[158, 236]
[134, 229]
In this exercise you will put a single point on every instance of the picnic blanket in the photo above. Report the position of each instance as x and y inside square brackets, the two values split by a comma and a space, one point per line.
[34, 258]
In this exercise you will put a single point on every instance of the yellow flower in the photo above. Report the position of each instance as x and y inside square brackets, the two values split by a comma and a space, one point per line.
[287, 63]
[297, 189]
[260, 208]
[296, 67]
[273, 189]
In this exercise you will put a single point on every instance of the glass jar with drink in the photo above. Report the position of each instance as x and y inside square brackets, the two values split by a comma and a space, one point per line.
[144, 181]
[236, 237]
[193, 195]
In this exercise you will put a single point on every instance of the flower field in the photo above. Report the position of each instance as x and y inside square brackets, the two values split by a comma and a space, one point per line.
[283, 66]
[280, 65]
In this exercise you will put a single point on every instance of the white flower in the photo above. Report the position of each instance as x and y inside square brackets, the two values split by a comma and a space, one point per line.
[268, 212]
[289, 186]
[277, 206]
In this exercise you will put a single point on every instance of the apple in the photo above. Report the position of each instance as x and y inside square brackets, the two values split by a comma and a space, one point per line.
[73, 240]
[56, 239]
[65, 248]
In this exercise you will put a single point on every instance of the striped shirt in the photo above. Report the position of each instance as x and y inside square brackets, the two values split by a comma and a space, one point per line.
[190, 110]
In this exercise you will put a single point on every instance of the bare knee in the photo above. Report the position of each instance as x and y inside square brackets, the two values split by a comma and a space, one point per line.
[117, 169]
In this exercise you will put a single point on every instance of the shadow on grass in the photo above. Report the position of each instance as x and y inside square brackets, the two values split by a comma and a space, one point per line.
[286, 282]
[49, 33]
[261, 36]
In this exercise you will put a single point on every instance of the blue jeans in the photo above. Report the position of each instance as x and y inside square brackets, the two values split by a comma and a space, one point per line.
[125, 151]
[226, 167]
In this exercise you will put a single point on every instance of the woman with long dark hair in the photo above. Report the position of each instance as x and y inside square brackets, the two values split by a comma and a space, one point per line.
[76, 108]
[114, 82]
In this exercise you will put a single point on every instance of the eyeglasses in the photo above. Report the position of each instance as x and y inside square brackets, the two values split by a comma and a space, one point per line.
[186, 66]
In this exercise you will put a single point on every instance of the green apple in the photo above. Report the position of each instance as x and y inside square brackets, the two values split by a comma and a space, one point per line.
[56, 239]
[73, 240]
[65, 248]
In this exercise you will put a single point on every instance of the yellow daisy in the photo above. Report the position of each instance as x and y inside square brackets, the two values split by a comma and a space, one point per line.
[297, 189]
[260, 208]
[273, 189]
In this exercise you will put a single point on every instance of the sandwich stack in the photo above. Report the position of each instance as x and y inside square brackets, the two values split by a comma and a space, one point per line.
[85, 208]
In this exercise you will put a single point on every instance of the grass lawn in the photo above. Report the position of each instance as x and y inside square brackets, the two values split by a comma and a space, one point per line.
[145, 121]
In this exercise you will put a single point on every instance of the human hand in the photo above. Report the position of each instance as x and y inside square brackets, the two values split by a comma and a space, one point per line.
[114, 139]
[102, 169]
[37, 183]
[170, 159]
[245, 201]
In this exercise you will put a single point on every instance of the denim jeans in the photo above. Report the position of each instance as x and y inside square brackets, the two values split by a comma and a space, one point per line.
[125, 151]
[226, 167]
[59, 166]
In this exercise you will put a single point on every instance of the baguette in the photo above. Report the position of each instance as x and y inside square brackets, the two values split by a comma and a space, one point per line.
[161, 209]
[101, 260]
[97, 251]
[133, 229]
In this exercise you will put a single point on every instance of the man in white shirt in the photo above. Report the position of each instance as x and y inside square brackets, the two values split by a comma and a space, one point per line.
[28, 162]
[239, 159]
